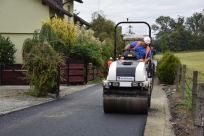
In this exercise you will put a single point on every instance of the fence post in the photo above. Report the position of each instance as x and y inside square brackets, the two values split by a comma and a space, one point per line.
[86, 78]
[0, 73]
[183, 81]
[177, 76]
[58, 81]
[97, 73]
[198, 126]
[93, 70]
[68, 83]
[194, 93]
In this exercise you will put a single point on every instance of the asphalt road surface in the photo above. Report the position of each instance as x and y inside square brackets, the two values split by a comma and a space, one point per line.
[77, 114]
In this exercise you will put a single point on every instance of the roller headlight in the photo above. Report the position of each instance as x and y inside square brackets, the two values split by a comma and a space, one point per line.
[134, 84]
[115, 83]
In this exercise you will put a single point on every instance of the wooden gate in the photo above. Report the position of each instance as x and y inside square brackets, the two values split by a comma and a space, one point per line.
[73, 74]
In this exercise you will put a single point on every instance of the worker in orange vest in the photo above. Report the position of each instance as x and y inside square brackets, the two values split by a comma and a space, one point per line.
[121, 57]
[142, 49]
[110, 61]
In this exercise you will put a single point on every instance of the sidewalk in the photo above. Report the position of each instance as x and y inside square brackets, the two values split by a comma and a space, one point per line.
[158, 120]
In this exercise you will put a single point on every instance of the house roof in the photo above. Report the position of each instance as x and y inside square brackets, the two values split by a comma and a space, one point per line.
[55, 6]
[80, 1]
[83, 22]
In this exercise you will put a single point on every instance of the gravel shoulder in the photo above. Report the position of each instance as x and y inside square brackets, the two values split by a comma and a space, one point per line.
[13, 98]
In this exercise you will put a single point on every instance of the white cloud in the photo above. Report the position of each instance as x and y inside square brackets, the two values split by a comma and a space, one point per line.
[145, 10]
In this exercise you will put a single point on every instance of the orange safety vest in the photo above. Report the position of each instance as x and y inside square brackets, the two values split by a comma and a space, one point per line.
[147, 49]
[109, 63]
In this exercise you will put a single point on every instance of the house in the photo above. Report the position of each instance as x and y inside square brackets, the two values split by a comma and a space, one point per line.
[19, 18]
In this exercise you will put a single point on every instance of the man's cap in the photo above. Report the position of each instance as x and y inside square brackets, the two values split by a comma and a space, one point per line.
[147, 40]
[111, 58]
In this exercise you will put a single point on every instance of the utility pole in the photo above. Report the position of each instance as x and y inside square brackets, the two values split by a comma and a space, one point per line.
[98, 5]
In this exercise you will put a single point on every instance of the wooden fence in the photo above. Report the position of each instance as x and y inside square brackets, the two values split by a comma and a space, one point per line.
[74, 72]
[195, 91]
[12, 74]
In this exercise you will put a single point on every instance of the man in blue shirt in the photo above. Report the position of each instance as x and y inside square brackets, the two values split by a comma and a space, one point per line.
[142, 49]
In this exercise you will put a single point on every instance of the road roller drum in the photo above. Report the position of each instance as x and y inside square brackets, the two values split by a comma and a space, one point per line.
[125, 105]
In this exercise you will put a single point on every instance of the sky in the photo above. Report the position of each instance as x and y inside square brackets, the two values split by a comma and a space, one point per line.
[135, 10]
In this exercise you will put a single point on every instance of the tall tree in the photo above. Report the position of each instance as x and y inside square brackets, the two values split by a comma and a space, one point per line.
[181, 35]
[104, 30]
[194, 23]
[162, 26]
[101, 25]
[202, 23]
[176, 23]
[180, 40]
[165, 25]
[163, 42]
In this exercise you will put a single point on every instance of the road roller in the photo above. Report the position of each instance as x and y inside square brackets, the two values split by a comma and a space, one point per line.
[129, 83]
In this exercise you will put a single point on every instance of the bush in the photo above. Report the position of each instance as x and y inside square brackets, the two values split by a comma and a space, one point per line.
[42, 61]
[65, 32]
[87, 52]
[7, 50]
[42, 67]
[166, 68]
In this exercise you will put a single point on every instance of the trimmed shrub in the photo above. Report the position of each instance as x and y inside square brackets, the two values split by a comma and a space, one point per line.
[42, 68]
[42, 61]
[7, 50]
[166, 68]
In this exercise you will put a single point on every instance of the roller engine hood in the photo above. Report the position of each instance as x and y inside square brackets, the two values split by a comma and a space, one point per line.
[127, 70]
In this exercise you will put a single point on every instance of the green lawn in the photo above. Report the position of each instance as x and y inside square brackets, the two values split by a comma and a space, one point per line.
[192, 60]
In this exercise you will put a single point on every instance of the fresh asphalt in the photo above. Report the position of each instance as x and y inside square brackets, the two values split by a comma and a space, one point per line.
[77, 114]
